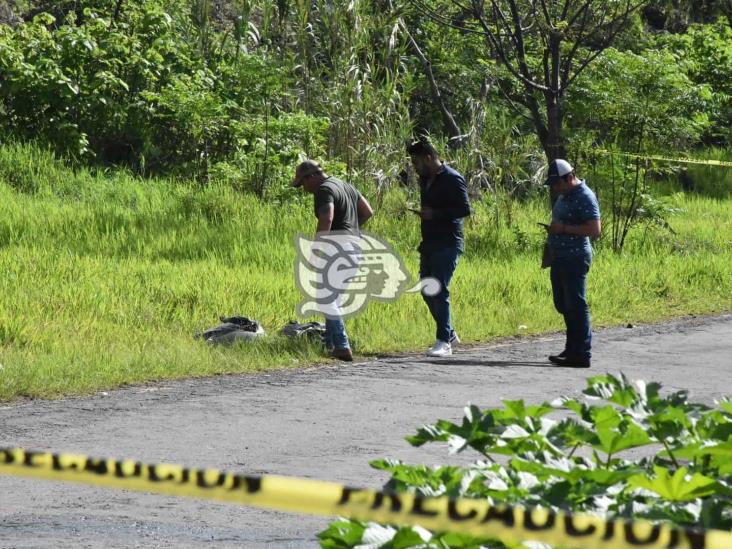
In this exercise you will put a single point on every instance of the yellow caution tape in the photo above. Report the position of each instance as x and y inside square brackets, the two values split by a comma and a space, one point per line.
[667, 159]
[472, 516]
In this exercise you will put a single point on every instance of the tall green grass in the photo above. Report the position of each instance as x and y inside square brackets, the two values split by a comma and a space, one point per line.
[106, 277]
[708, 180]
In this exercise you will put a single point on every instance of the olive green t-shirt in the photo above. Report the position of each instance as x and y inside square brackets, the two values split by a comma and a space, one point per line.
[344, 198]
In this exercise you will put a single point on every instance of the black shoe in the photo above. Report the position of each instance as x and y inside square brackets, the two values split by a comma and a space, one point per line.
[558, 359]
[572, 361]
[342, 354]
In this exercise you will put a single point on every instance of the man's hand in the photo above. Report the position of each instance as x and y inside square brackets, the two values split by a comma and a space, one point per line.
[556, 227]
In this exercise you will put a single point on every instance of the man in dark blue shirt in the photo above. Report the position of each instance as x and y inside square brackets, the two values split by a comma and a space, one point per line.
[444, 204]
[575, 220]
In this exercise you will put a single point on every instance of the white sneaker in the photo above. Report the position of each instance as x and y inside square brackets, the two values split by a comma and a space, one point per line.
[454, 340]
[440, 348]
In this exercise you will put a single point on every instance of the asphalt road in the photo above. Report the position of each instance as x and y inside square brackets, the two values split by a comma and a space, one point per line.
[323, 422]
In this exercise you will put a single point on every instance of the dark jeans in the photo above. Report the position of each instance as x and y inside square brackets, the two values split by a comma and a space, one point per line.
[440, 264]
[568, 276]
[335, 334]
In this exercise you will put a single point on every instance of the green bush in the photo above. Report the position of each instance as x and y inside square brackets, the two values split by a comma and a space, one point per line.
[705, 54]
[578, 461]
[639, 103]
[138, 91]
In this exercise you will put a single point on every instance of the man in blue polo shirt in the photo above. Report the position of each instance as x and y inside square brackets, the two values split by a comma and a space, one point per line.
[444, 204]
[575, 220]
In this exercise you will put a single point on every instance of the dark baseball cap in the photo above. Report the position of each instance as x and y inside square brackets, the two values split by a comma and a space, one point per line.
[305, 169]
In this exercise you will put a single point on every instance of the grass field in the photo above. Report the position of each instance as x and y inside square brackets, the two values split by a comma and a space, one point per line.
[107, 277]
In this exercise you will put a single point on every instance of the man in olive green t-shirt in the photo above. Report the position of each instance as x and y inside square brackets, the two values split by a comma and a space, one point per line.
[338, 207]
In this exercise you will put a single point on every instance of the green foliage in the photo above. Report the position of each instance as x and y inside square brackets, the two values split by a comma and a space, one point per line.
[239, 90]
[268, 149]
[705, 55]
[142, 90]
[675, 16]
[74, 83]
[461, 66]
[639, 103]
[678, 472]
[644, 104]
[502, 168]
[624, 187]
[344, 533]
[349, 67]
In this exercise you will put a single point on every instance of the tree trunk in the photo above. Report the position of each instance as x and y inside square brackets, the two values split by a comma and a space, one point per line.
[554, 145]
[117, 10]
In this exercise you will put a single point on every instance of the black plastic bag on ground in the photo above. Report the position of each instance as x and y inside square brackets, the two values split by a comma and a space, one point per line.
[314, 331]
[232, 329]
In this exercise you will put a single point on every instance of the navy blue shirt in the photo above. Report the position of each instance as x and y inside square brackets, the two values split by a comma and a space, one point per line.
[447, 196]
[576, 207]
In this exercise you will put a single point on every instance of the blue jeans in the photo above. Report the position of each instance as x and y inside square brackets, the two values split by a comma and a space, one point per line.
[335, 334]
[440, 264]
[568, 276]
[335, 328]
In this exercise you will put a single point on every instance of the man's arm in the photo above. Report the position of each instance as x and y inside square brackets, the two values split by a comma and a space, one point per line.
[325, 218]
[364, 210]
[591, 228]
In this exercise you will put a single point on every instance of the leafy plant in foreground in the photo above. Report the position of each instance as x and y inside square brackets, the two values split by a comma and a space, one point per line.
[626, 451]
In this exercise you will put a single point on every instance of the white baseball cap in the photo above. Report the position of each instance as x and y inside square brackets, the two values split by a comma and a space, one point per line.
[557, 168]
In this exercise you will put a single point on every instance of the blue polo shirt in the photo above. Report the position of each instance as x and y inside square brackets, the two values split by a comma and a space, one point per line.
[574, 208]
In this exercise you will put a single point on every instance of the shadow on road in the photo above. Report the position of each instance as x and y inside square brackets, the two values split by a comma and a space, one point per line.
[469, 362]
[496, 363]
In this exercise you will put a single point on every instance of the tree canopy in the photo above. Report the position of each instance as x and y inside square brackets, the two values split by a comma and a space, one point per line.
[239, 89]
